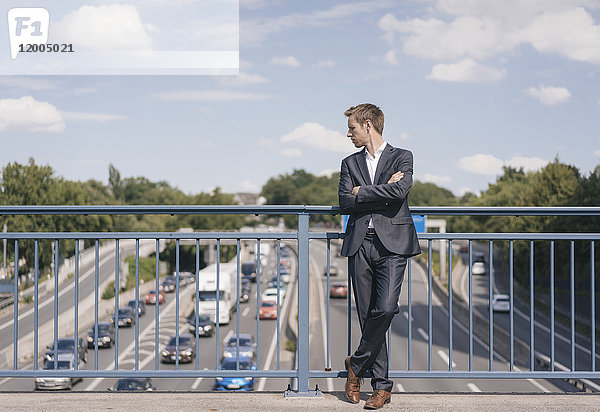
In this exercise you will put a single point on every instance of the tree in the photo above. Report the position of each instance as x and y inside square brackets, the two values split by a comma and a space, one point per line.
[115, 184]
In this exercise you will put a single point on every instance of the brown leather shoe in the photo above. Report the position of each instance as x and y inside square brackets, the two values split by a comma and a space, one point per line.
[378, 399]
[352, 384]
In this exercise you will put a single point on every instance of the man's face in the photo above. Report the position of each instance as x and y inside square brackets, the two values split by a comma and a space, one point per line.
[357, 133]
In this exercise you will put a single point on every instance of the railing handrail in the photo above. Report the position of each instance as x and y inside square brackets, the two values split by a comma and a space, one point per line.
[289, 209]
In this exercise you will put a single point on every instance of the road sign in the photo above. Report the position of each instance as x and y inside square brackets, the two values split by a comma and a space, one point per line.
[344, 222]
[419, 222]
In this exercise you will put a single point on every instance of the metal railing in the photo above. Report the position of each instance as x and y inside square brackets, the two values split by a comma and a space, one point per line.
[301, 238]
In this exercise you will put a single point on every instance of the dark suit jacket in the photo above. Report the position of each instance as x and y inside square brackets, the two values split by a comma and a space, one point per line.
[385, 202]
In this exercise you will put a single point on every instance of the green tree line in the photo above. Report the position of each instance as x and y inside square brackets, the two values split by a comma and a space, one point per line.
[557, 184]
[34, 184]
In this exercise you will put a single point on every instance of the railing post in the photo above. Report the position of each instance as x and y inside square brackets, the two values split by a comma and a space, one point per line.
[303, 318]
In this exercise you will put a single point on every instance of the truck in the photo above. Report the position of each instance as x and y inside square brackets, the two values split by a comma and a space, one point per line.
[207, 292]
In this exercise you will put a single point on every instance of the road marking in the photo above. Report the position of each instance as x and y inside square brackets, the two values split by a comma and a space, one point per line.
[197, 382]
[406, 316]
[229, 335]
[323, 318]
[423, 333]
[445, 358]
[128, 350]
[534, 382]
[546, 329]
[263, 381]
[475, 337]
[473, 387]
[245, 311]
[400, 387]
[557, 334]
[51, 298]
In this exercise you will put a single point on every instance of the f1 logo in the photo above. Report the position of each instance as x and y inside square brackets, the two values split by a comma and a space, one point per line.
[27, 25]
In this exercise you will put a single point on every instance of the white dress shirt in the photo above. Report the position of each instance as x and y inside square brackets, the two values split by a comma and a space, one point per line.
[372, 162]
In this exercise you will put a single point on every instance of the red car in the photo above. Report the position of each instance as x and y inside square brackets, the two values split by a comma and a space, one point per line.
[268, 310]
[338, 290]
[151, 297]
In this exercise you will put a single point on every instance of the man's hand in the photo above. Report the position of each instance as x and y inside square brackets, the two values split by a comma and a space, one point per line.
[395, 177]
[355, 190]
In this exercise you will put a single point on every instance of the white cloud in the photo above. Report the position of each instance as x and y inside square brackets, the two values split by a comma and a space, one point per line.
[549, 95]
[28, 83]
[437, 179]
[529, 164]
[571, 34]
[208, 95]
[324, 63]
[390, 57]
[256, 31]
[250, 186]
[28, 115]
[92, 117]
[467, 36]
[209, 34]
[466, 70]
[317, 136]
[464, 190]
[481, 164]
[328, 172]
[596, 153]
[486, 164]
[108, 27]
[291, 152]
[286, 61]
[479, 29]
[242, 79]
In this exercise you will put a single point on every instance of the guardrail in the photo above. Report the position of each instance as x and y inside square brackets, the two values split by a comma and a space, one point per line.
[302, 236]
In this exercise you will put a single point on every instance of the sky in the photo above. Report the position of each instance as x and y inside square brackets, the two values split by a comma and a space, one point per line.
[469, 86]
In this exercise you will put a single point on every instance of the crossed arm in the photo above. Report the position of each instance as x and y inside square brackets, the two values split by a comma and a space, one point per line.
[369, 198]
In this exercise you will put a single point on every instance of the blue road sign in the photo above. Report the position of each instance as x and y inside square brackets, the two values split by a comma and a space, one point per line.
[419, 222]
[344, 222]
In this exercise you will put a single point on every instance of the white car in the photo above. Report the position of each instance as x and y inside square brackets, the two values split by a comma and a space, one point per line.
[478, 268]
[65, 361]
[270, 294]
[501, 303]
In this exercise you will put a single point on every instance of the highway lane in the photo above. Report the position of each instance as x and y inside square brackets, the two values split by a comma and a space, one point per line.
[208, 351]
[521, 318]
[399, 347]
[66, 298]
[338, 342]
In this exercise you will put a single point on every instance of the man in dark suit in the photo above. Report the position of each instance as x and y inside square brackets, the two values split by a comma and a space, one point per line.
[380, 236]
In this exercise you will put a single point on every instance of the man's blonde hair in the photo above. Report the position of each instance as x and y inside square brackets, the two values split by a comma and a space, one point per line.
[367, 111]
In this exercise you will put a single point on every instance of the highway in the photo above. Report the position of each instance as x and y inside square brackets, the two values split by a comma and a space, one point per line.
[210, 349]
[521, 313]
[399, 340]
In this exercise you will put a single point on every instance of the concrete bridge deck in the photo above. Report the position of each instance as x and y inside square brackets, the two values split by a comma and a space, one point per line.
[263, 401]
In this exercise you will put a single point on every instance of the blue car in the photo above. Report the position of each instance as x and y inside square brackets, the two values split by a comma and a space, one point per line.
[236, 383]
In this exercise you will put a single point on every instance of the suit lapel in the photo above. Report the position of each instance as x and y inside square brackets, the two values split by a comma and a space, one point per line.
[361, 163]
[383, 161]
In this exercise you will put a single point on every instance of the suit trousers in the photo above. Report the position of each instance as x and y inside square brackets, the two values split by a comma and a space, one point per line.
[377, 276]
